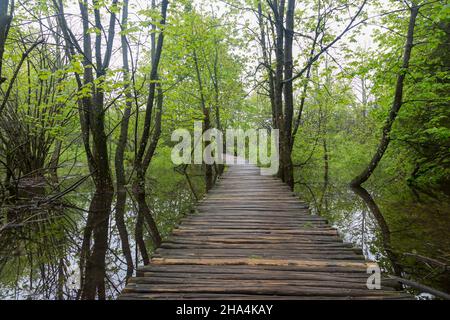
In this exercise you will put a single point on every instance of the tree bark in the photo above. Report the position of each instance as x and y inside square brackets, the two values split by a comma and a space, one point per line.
[120, 150]
[278, 11]
[288, 173]
[209, 181]
[6, 13]
[144, 155]
[95, 272]
[92, 120]
[266, 61]
[396, 105]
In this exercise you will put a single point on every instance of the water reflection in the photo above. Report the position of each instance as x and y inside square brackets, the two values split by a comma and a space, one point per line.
[382, 226]
[94, 247]
[85, 245]
[408, 236]
[123, 232]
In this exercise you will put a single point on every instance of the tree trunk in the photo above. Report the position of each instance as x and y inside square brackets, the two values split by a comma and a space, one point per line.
[144, 155]
[139, 236]
[5, 22]
[54, 162]
[307, 78]
[122, 228]
[326, 177]
[95, 272]
[139, 192]
[209, 179]
[278, 83]
[120, 150]
[139, 188]
[396, 105]
[288, 172]
[266, 62]
[92, 120]
[382, 224]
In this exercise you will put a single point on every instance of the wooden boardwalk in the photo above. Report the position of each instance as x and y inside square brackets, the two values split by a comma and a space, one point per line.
[252, 239]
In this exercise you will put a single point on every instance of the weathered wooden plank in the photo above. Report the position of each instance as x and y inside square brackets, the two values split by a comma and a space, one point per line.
[250, 238]
[195, 283]
[256, 262]
[267, 289]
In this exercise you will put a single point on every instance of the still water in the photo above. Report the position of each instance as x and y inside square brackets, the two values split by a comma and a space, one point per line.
[406, 232]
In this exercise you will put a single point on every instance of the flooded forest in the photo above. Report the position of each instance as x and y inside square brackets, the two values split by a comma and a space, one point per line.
[92, 90]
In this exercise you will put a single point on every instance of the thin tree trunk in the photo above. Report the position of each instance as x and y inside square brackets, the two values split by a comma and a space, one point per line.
[139, 189]
[5, 22]
[278, 81]
[122, 228]
[219, 167]
[326, 177]
[288, 172]
[139, 236]
[144, 155]
[308, 76]
[396, 105]
[120, 150]
[279, 56]
[95, 273]
[206, 121]
[92, 119]
[152, 89]
[266, 62]
[54, 162]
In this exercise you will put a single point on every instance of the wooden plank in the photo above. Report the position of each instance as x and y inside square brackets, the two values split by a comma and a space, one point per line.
[250, 238]
[268, 262]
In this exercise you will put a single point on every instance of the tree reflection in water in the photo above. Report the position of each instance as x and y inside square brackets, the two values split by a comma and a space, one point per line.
[383, 227]
[42, 247]
[407, 235]
[75, 248]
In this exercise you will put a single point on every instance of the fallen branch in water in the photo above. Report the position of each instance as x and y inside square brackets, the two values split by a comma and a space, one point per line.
[421, 287]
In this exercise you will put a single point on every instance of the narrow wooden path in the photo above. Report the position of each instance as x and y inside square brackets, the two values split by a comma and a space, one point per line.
[252, 239]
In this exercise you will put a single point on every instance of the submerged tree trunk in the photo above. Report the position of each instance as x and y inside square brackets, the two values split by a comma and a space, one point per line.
[95, 139]
[148, 142]
[139, 187]
[120, 151]
[139, 236]
[119, 216]
[95, 270]
[144, 212]
[396, 105]
[382, 224]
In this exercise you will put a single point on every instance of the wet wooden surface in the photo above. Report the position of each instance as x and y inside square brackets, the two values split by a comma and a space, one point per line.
[251, 238]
